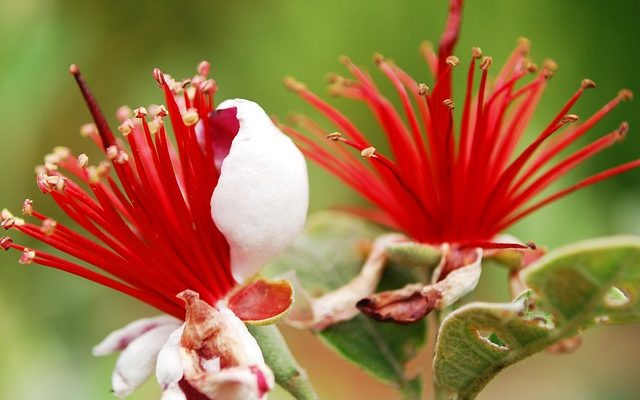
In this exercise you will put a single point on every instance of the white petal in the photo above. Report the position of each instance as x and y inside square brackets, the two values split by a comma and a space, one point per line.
[120, 339]
[212, 365]
[173, 392]
[213, 334]
[169, 369]
[239, 341]
[137, 361]
[260, 202]
[234, 383]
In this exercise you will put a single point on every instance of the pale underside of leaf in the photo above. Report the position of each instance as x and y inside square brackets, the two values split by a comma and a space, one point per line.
[596, 281]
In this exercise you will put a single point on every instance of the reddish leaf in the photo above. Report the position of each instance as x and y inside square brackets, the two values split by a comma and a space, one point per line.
[261, 301]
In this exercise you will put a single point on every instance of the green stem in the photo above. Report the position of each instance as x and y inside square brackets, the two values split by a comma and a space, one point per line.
[411, 389]
[289, 375]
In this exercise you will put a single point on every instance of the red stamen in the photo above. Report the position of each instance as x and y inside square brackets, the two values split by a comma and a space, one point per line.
[443, 187]
[150, 230]
[103, 127]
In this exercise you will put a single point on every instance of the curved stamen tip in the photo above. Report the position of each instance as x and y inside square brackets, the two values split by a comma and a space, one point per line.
[123, 112]
[122, 157]
[204, 67]
[74, 69]
[532, 67]
[378, 58]
[27, 256]
[623, 129]
[190, 117]
[6, 242]
[185, 83]
[294, 85]
[476, 52]
[8, 223]
[368, 152]
[112, 152]
[449, 104]
[5, 214]
[158, 76]
[334, 136]
[569, 118]
[453, 61]
[55, 182]
[625, 94]
[48, 227]
[549, 68]
[27, 207]
[140, 112]
[524, 45]
[486, 62]
[426, 45]
[160, 111]
[530, 244]
[423, 89]
[344, 60]
[83, 161]
[87, 130]
[62, 151]
[335, 90]
[208, 86]
[332, 77]
[588, 84]
[126, 127]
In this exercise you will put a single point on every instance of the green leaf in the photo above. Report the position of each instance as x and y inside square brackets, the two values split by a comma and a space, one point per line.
[593, 280]
[328, 255]
[466, 359]
[412, 254]
[413, 388]
[573, 287]
[382, 349]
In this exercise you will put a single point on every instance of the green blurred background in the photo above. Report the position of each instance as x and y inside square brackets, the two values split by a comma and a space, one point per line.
[49, 320]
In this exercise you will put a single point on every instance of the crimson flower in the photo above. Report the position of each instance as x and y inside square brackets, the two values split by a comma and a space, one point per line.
[173, 224]
[446, 181]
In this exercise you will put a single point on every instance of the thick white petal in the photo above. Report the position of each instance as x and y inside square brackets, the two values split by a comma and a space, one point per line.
[233, 383]
[260, 202]
[214, 334]
[138, 360]
[173, 392]
[169, 369]
[244, 346]
[120, 339]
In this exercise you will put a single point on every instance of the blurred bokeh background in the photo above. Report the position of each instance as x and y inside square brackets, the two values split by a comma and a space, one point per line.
[49, 320]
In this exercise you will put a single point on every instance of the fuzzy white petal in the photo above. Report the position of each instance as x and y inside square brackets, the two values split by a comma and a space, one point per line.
[244, 346]
[120, 339]
[137, 361]
[232, 383]
[173, 392]
[213, 334]
[169, 369]
[260, 202]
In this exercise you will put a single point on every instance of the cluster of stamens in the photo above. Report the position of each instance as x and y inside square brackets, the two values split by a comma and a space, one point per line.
[444, 183]
[145, 206]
